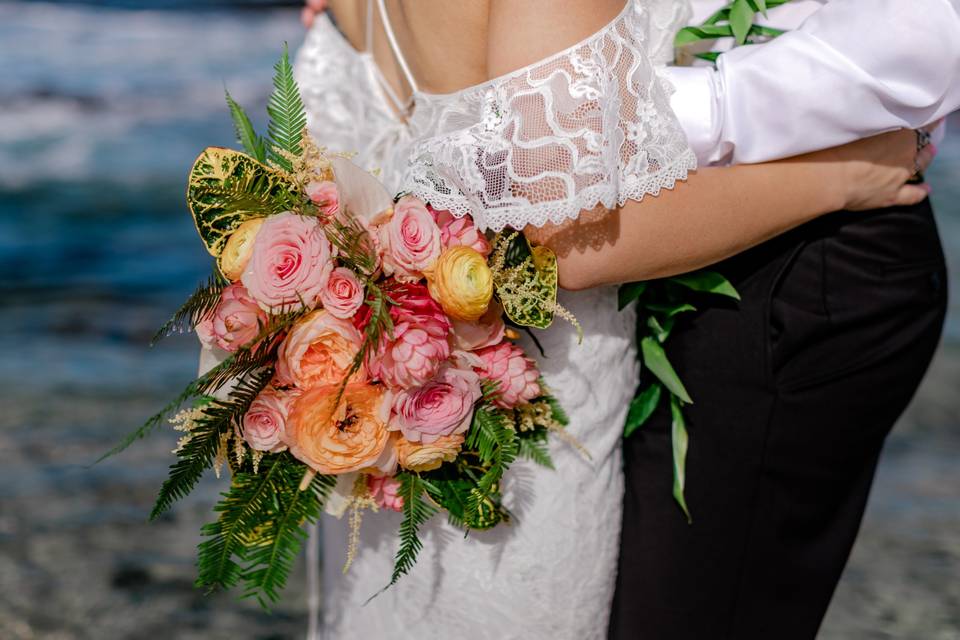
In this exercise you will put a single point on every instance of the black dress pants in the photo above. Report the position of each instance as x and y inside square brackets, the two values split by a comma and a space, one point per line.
[795, 389]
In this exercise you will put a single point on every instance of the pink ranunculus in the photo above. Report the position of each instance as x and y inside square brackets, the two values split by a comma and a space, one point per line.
[385, 491]
[343, 294]
[290, 265]
[419, 343]
[410, 240]
[319, 350]
[455, 232]
[486, 331]
[441, 407]
[325, 195]
[265, 422]
[237, 320]
[516, 375]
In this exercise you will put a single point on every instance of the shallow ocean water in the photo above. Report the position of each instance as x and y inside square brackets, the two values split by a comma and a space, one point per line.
[103, 107]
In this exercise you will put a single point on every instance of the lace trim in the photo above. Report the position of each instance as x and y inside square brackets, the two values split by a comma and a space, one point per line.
[556, 213]
[590, 125]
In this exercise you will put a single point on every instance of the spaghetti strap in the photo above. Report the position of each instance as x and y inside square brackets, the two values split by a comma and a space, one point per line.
[394, 46]
[368, 36]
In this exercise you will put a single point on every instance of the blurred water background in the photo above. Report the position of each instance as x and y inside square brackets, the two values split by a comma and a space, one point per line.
[103, 107]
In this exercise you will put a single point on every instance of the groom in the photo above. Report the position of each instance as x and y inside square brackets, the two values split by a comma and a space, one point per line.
[795, 387]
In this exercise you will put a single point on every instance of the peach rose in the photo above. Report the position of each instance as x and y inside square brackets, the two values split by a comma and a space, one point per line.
[417, 456]
[290, 264]
[486, 331]
[410, 240]
[319, 350]
[341, 438]
[343, 294]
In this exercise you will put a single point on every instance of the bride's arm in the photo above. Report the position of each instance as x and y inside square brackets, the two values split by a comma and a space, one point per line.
[719, 212]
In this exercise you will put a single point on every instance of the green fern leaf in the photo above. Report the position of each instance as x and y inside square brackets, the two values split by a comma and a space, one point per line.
[273, 547]
[241, 510]
[198, 454]
[288, 118]
[199, 305]
[532, 445]
[252, 143]
[416, 512]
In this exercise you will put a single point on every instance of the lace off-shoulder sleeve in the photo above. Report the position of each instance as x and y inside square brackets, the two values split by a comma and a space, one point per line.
[590, 125]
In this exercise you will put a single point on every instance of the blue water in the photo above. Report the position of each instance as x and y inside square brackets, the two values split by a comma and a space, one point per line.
[102, 111]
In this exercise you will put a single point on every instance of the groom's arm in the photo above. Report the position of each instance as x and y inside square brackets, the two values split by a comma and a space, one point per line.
[854, 69]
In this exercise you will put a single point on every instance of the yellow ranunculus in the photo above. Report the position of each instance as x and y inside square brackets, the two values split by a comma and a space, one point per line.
[417, 456]
[461, 282]
[239, 247]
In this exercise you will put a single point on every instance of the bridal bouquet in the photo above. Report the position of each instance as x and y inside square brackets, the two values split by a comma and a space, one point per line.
[356, 354]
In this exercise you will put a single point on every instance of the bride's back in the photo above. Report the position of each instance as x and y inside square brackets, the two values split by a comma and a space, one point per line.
[452, 45]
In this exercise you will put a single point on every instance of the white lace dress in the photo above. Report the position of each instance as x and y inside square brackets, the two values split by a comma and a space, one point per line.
[590, 125]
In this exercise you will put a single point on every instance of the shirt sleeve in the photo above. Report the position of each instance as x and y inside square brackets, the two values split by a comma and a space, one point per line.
[853, 69]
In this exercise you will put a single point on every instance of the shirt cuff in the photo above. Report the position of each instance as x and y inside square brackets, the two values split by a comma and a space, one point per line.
[695, 102]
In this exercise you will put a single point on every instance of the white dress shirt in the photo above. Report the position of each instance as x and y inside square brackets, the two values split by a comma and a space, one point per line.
[852, 69]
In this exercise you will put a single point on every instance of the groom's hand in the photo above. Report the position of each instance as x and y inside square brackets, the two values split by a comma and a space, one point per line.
[310, 12]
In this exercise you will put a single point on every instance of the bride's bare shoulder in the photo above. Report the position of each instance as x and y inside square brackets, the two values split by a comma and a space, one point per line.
[521, 33]
[452, 45]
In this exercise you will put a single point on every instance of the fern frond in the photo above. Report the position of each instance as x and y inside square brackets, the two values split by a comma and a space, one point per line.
[496, 443]
[198, 306]
[354, 245]
[288, 118]
[241, 511]
[246, 135]
[379, 325]
[273, 548]
[532, 445]
[416, 511]
[198, 454]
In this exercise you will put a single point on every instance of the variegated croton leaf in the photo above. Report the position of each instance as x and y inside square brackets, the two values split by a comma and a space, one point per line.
[226, 188]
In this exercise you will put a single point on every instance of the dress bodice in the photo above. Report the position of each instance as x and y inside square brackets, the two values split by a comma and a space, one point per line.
[589, 125]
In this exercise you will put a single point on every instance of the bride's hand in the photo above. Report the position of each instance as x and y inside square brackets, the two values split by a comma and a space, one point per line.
[874, 172]
[311, 10]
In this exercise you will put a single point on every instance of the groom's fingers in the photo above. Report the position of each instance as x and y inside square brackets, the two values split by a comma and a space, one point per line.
[911, 194]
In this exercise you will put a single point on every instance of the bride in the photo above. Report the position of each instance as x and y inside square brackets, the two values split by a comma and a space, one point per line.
[548, 117]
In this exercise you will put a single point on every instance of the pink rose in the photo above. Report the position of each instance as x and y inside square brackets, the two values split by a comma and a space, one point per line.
[325, 195]
[237, 320]
[410, 240]
[441, 407]
[516, 375]
[486, 331]
[456, 232]
[343, 294]
[265, 422]
[319, 350]
[413, 353]
[385, 492]
[290, 265]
